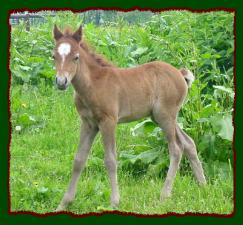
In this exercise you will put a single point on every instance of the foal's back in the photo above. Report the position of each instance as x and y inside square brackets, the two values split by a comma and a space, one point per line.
[137, 91]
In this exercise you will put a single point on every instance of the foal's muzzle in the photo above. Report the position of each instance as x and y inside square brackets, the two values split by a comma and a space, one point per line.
[61, 82]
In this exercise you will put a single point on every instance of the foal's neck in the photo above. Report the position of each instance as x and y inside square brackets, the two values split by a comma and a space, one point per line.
[83, 79]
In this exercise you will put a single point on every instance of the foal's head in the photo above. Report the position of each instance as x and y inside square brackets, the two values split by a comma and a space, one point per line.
[66, 55]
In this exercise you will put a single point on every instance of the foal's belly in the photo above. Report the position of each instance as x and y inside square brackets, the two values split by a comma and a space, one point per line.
[126, 115]
[127, 119]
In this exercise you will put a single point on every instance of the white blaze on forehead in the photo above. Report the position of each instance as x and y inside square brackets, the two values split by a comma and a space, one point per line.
[64, 49]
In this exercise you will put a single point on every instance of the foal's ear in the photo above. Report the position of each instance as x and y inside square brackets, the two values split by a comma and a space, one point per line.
[57, 33]
[78, 34]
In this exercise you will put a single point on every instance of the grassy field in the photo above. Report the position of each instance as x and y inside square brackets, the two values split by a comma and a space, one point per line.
[45, 124]
[42, 153]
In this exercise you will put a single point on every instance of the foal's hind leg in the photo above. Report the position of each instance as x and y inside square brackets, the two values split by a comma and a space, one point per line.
[191, 153]
[107, 130]
[168, 124]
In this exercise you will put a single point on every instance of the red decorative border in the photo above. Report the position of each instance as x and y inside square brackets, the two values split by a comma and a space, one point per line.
[119, 212]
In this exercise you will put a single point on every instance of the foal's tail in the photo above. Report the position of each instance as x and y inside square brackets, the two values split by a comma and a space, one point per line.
[188, 75]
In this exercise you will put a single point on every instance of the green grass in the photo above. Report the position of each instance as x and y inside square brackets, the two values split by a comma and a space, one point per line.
[42, 153]
[45, 124]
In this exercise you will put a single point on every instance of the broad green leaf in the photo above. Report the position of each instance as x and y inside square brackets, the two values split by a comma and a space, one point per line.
[223, 126]
[206, 143]
[225, 89]
[25, 68]
[130, 157]
[143, 128]
[148, 156]
[139, 51]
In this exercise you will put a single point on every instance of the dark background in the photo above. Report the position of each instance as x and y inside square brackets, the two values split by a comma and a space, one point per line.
[10, 6]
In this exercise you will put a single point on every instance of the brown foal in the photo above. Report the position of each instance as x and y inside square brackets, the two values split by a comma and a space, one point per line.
[106, 95]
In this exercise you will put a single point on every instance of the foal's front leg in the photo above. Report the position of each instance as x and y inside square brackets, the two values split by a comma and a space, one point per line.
[87, 136]
[107, 129]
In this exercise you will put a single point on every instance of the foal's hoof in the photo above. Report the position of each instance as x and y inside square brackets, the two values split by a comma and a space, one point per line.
[59, 209]
[62, 206]
[66, 201]
[164, 197]
[114, 206]
[115, 203]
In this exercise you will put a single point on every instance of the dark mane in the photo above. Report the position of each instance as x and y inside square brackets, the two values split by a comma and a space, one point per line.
[99, 59]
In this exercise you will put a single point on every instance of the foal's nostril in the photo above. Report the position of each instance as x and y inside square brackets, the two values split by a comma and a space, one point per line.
[61, 82]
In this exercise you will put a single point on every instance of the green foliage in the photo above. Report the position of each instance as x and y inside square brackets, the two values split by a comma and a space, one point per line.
[45, 124]
[202, 42]
[41, 163]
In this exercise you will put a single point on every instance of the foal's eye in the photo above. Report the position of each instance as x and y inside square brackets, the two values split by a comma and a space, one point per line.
[53, 56]
[76, 58]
